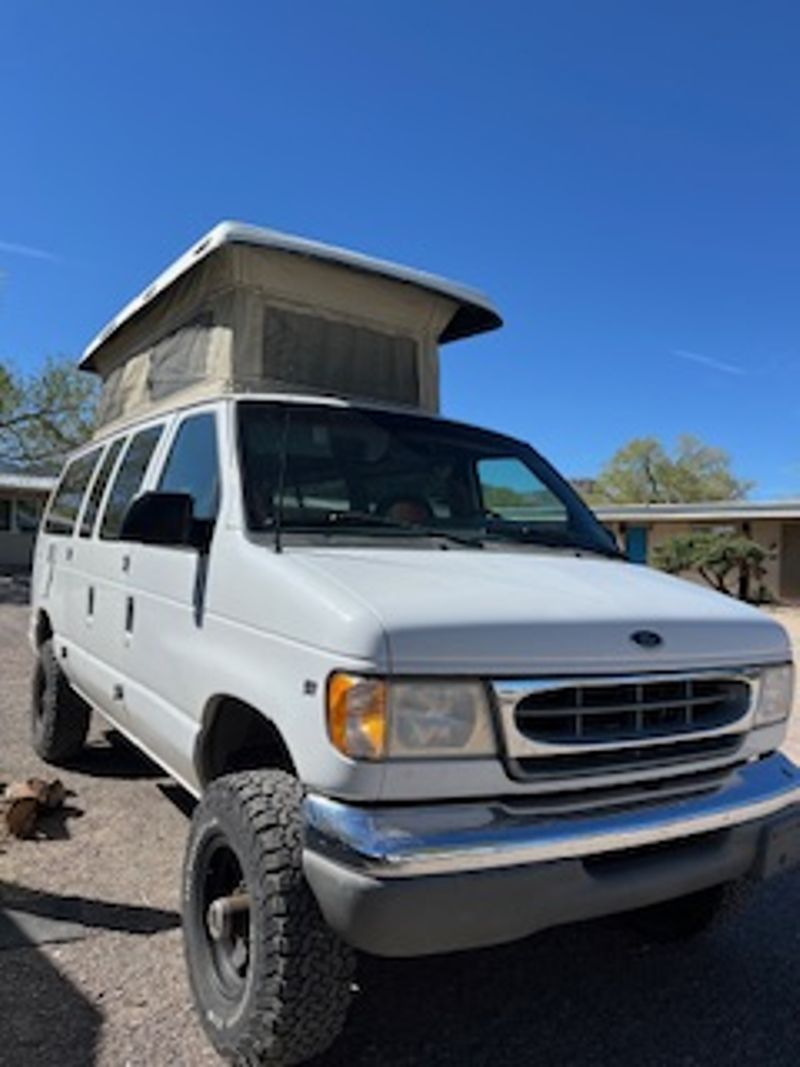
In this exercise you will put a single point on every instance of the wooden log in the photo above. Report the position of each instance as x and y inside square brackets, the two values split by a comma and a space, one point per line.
[20, 816]
[22, 802]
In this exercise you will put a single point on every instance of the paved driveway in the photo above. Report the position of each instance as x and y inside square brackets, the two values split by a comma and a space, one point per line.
[113, 991]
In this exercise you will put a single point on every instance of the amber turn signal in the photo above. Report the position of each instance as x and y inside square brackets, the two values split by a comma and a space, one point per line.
[357, 715]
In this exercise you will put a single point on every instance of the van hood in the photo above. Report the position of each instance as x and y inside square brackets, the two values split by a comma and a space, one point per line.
[520, 613]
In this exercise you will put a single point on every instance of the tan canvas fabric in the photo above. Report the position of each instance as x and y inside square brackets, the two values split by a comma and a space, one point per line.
[252, 319]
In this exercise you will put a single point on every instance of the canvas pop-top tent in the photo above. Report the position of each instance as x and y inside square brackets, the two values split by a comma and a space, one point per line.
[248, 309]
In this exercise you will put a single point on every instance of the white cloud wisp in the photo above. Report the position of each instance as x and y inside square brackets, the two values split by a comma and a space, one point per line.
[13, 249]
[707, 361]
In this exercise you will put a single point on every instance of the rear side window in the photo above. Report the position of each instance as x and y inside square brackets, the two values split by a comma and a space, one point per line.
[69, 494]
[193, 465]
[129, 478]
[99, 487]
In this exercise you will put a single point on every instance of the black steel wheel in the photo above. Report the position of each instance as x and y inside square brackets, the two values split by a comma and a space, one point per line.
[270, 979]
[224, 903]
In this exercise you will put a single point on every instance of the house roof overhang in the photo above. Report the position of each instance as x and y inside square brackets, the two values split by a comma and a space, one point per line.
[714, 511]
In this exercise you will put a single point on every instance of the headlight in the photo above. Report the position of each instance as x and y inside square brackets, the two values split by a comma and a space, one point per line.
[371, 718]
[439, 719]
[775, 694]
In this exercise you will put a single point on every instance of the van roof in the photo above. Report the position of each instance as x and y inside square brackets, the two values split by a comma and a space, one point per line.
[475, 313]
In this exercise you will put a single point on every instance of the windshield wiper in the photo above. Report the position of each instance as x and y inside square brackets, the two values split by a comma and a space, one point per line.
[527, 535]
[350, 520]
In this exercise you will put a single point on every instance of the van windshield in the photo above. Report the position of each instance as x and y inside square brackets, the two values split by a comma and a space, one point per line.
[338, 472]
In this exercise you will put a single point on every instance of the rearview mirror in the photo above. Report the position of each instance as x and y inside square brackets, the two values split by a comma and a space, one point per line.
[159, 519]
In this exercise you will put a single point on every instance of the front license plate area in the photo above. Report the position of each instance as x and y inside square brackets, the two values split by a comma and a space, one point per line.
[780, 846]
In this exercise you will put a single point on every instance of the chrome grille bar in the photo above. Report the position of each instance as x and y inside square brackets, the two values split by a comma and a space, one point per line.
[571, 716]
[640, 705]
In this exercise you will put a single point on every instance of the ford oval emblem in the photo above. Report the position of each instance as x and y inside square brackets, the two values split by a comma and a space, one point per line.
[647, 638]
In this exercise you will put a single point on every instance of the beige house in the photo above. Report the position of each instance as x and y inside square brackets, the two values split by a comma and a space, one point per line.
[774, 525]
[22, 498]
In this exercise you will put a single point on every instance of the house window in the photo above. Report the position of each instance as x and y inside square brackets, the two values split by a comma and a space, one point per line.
[29, 512]
[5, 516]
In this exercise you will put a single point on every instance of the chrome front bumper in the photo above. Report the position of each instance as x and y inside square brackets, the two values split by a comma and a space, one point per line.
[419, 840]
[415, 880]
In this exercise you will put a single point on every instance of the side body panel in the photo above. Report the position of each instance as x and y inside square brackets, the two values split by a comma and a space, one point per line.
[94, 605]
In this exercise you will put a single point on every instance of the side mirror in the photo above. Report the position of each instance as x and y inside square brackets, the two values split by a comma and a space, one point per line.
[160, 519]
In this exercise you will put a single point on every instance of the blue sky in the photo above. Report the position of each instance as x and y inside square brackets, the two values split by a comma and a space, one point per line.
[623, 178]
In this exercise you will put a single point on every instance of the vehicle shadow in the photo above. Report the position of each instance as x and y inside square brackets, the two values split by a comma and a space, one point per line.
[45, 1018]
[592, 994]
[179, 797]
[112, 756]
[83, 911]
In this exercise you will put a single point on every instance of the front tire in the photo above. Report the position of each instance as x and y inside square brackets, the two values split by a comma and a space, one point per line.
[59, 717]
[271, 981]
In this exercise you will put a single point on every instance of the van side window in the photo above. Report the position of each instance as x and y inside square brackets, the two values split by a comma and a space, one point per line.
[129, 478]
[99, 487]
[193, 465]
[66, 502]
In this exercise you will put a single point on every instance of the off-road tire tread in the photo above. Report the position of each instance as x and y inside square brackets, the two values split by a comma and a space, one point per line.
[301, 991]
[59, 717]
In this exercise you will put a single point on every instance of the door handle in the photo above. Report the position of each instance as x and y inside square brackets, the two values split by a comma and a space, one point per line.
[90, 601]
[129, 614]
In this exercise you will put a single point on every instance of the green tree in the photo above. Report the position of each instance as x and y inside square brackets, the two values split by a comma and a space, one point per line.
[44, 415]
[643, 472]
[717, 556]
[500, 496]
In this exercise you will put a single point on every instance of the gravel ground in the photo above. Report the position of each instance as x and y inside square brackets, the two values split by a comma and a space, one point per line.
[584, 995]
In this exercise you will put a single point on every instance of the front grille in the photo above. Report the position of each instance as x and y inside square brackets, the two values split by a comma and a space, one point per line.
[635, 730]
[630, 710]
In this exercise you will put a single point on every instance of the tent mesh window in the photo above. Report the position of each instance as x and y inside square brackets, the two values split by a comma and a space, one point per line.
[339, 357]
[180, 359]
[112, 399]
[175, 362]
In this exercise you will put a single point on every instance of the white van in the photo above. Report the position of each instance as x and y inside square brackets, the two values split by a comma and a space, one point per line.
[423, 701]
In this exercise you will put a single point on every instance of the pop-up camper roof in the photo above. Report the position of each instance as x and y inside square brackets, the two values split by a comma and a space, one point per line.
[248, 309]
